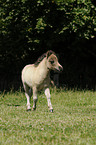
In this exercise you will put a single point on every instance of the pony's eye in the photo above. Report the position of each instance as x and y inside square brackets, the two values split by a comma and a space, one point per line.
[52, 61]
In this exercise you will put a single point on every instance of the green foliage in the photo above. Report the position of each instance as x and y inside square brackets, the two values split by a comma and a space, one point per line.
[73, 120]
[34, 18]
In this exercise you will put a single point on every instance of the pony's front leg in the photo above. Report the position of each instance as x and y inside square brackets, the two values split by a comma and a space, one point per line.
[47, 93]
[34, 98]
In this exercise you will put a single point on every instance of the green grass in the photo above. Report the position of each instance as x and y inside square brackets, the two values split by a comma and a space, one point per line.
[72, 123]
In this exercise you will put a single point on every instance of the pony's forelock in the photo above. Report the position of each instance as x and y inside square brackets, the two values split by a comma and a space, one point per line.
[49, 52]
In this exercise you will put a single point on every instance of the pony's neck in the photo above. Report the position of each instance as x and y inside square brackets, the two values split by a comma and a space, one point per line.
[43, 66]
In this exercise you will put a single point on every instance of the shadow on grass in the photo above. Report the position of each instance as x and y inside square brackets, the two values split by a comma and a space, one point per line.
[13, 105]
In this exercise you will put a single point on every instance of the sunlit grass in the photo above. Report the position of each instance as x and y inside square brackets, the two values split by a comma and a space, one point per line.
[73, 121]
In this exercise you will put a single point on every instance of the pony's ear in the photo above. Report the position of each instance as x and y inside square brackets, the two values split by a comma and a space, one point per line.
[49, 53]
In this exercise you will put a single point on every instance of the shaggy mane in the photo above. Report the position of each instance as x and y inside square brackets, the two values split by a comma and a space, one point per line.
[43, 56]
[40, 59]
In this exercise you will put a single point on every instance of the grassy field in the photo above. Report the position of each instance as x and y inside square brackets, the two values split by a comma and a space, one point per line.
[72, 123]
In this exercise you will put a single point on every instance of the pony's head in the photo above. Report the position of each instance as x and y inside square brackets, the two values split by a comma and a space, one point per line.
[52, 61]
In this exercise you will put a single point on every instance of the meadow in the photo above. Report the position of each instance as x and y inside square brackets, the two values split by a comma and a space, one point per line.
[72, 123]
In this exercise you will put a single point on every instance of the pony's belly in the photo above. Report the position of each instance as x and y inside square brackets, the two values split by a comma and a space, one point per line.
[44, 84]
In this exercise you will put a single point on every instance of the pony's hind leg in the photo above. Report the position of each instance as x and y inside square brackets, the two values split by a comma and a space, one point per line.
[47, 93]
[28, 94]
[34, 98]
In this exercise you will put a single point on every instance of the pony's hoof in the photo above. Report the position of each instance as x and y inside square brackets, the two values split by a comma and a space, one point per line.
[51, 110]
[33, 109]
[28, 110]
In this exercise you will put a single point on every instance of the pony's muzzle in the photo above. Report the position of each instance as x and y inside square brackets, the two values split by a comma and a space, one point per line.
[59, 68]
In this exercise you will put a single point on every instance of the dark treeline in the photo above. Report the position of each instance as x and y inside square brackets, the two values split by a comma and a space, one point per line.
[28, 28]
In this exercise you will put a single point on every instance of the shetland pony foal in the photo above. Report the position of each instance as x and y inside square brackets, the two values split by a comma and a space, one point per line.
[37, 76]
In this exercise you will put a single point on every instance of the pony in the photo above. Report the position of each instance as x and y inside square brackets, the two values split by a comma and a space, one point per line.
[37, 76]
